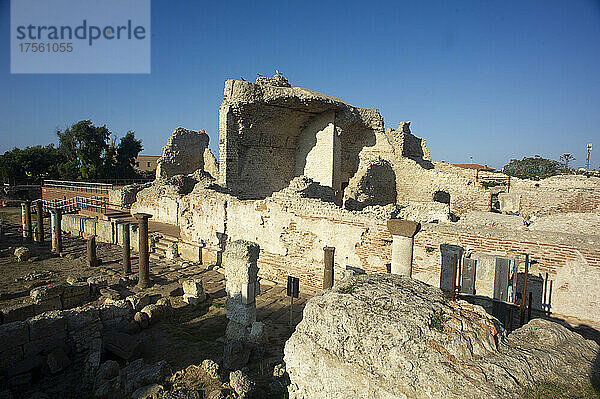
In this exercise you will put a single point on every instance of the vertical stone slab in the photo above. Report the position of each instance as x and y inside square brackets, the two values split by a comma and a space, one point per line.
[40, 221]
[328, 261]
[55, 222]
[467, 284]
[144, 257]
[403, 232]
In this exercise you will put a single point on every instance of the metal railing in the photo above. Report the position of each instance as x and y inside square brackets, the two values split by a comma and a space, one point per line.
[95, 187]
[71, 205]
[79, 186]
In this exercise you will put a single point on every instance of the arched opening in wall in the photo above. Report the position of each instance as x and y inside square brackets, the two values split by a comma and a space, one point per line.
[442, 197]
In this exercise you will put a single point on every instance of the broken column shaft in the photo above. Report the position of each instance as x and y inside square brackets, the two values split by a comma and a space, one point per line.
[241, 270]
[40, 221]
[26, 221]
[328, 256]
[144, 257]
[92, 260]
[55, 221]
[126, 249]
[403, 233]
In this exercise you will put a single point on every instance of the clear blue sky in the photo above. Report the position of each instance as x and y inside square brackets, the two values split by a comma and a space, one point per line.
[490, 79]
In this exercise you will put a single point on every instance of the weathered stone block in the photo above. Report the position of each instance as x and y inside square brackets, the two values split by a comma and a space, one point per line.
[76, 289]
[44, 345]
[240, 313]
[193, 288]
[236, 355]
[48, 304]
[510, 203]
[236, 331]
[81, 317]
[18, 312]
[138, 301]
[405, 228]
[118, 309]
[192, 253]
[57, 360]
[45, 292]
[47, 324]
[10, 356]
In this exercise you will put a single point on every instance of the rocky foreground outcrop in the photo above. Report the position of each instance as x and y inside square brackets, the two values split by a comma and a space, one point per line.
[386, 336]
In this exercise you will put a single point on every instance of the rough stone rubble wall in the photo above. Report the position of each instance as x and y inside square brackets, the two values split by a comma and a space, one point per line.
[76, 328]
[269, 135]
[557, 194]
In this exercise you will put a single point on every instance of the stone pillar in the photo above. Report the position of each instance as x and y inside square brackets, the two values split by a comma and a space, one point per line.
[403, 232]
[55, 222]
[26, 221]
[328, 253]
[40, 221]
[144, 261]
[126, 249]
[92, 260]
[239, 260]
[241, 270]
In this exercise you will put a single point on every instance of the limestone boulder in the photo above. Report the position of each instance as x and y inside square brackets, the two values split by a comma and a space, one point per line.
[387, 336]
[22, 254]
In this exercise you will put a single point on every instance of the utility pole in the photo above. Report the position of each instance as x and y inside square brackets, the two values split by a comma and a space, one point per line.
[587, 162]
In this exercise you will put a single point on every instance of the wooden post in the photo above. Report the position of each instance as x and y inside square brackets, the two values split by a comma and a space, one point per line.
[328, 254]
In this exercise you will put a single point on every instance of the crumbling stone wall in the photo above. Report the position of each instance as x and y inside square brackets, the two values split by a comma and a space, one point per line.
[76, 328]
[269, 135]
[183, 154]
[557, 194]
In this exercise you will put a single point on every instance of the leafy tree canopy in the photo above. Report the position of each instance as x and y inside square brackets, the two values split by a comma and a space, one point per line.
[85, 151]
[535, 168]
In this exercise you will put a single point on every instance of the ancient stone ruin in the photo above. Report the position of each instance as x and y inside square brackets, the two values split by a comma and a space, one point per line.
[417, 278]
[387, 336]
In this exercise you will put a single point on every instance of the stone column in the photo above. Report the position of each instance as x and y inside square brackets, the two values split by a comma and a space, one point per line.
[55, 222]
[328, 254]
[26, 221]
[144, 261]
[40, 221]
[92, 260]
[126, 249]
[239, 260]
[403, 232]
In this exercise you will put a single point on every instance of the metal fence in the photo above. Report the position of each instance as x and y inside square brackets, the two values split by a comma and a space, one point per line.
[71, 205]
[94, 187]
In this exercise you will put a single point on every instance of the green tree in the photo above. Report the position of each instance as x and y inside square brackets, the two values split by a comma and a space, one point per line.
[85, 148]
[535, 168]
[126, 153]
[31, 164]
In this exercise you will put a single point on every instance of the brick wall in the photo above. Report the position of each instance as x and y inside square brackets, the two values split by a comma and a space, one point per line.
[50, 193]
[572, 263]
